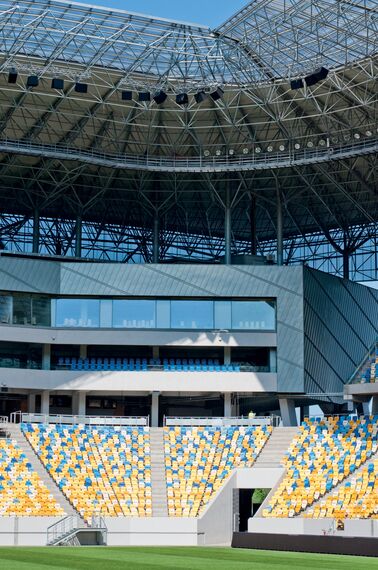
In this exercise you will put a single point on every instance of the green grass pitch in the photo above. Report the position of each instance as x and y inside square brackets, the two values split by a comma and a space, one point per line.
[165, 558]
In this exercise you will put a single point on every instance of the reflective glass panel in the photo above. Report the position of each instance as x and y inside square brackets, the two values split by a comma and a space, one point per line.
[77, 313]
[5, 309]
[163, 314]
[138, 314]
[41, 311]
[192, 314]
[253, 315]
[222, 314]
[22, 310]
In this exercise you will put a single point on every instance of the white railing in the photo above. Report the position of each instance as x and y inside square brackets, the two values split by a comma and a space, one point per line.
[32, 418]
[262, 160]
[3, 419]
[220, 422]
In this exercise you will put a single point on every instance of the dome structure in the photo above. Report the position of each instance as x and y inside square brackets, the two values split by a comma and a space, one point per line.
[147, 119]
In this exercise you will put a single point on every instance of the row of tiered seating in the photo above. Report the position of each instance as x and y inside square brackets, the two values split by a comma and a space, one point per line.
[198, 460]
[142, 364]
[103, 470]
[325, 452]
[358, 498]
[22, 492]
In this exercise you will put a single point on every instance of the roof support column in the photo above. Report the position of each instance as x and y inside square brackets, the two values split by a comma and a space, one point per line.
[227, 228]
[78, 233]
[252, 217]
[346, 257]
[156, 240]
[279, 230]
[36, 231]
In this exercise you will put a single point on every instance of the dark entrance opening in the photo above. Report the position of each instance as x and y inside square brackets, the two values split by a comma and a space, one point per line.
[245, 508]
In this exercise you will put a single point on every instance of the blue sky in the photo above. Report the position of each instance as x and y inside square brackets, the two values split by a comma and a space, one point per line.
[207, 12]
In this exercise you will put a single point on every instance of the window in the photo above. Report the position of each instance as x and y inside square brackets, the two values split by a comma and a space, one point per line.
[138, 314]
[192, 315]
[253, 315]
[77, 313]
[41, 311]
[5, 309]
[22, 310]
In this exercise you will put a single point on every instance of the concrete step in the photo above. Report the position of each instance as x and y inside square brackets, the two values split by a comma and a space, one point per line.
[158, 481]
[38, 467]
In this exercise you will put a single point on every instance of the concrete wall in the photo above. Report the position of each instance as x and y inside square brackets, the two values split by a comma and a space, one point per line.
[107, 381]
[154, 531]
[25, 531]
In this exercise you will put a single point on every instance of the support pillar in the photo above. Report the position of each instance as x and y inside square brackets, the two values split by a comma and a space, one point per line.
[46, 357]
[374, 406]
[288, 415]
[227, 229]
[78, 234]
[155, 409]
[83, 351]
[155, 352]
[346, 257]
[36, 232]
[229, 405]
[31, 403]
[252, 217]
[45, 402]
[227, 355]
[79, 403]
[156, 240]
[279, 230]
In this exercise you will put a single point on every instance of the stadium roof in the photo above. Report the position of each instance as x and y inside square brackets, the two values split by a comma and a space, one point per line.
[124, 161]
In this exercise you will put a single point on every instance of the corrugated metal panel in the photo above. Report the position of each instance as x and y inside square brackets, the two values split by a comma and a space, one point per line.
[340, 324]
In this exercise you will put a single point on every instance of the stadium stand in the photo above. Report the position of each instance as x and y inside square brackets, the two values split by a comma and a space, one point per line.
[101, 470]
[144, 364]
[355, 499]
[324, 454]
[22, 493]
[198, 460]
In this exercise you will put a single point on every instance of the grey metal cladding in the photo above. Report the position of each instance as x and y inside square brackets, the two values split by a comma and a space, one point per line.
[340, 324]
[29, 275]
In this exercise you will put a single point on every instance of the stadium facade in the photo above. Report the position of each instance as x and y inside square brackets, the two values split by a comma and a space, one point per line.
[279, 334]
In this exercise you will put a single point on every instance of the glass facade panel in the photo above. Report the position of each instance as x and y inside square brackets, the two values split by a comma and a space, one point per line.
[41, 311]
[77, 313]
[222, 314]
[5, 309]
[253, 315]
[163, 314]
[22, 310]
[134, 314]
[192, 314]
[106, 311]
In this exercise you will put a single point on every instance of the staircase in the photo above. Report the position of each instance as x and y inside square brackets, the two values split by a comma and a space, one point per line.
[276, 447]
[15, 433]
[158, 481]
[69, 531]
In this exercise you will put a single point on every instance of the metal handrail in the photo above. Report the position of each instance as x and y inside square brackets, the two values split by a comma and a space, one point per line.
[69, 419]
[262, 160]
[219, 421]
[72, 523]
